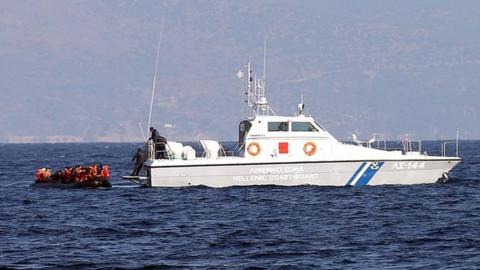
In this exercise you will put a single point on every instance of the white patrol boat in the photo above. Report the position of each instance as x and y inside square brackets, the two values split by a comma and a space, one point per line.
[290, 151]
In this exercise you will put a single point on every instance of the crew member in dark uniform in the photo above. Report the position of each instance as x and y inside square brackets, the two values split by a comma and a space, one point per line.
[139, 158]
[160, 143]
[153, 133]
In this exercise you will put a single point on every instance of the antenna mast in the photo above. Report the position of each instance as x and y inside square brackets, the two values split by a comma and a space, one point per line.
[264, 65]
[155, 76]
[255, 95]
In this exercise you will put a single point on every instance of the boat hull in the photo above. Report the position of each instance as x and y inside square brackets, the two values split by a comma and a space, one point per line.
[320, 173]
[94, 183]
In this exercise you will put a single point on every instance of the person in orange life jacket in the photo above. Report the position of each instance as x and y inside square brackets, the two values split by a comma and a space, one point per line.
[67, 175]
[47, 173]
[160, 143]
[41, 175]
[81, 174]
[92, 171]
[78, 173]
[98, 168]
[105, 173]
[85, 174]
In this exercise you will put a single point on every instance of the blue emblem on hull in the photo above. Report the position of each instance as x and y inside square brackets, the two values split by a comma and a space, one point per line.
[364, 173]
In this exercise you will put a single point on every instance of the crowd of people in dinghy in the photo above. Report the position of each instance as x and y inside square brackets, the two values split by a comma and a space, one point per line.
[76, 174]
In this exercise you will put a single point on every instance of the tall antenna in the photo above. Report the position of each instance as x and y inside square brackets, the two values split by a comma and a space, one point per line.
[264, 64]
[141, 129]
[156, 71]
[255, 95]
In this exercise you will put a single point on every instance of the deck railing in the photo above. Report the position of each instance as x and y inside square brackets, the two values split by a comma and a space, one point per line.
[152, 151]
[445, 146]
[409, 146]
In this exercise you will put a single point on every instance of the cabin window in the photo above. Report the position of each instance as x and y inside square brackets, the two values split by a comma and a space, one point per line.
[303, 126]
[277, 126]
[243, 130]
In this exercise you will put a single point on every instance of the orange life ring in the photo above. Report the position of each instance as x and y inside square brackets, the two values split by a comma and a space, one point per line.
[253, 149]
[310, 148]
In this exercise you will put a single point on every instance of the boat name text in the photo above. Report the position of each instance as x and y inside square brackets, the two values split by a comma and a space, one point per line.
[402, 165]
[281, 173]
[280, 169]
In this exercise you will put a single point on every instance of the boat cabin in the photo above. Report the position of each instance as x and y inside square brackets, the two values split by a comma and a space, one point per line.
[283, 137]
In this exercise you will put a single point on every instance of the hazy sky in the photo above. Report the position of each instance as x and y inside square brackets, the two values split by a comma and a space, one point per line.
[85, 68]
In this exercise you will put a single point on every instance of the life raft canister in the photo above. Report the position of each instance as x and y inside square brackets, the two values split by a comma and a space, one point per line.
[310, 148]
[253, 149]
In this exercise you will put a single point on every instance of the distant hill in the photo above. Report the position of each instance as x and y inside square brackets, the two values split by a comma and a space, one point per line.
[83, 70]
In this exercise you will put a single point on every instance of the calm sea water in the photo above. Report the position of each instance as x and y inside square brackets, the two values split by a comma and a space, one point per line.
[125, 227]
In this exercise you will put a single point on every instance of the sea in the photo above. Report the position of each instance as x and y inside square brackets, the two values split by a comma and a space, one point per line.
[435, 226]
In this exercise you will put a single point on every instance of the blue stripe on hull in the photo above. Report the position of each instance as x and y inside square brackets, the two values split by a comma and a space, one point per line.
[356, 173]
[368, 174]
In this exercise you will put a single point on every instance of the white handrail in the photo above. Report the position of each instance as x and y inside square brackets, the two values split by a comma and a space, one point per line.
[444, 145]
[456, 142]
[444, 148]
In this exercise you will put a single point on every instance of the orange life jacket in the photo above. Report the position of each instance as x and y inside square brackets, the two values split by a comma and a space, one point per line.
[84, 174]
[93, 171]
[78, 174]
[39, 175]
[67, 174]
[105, 172]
